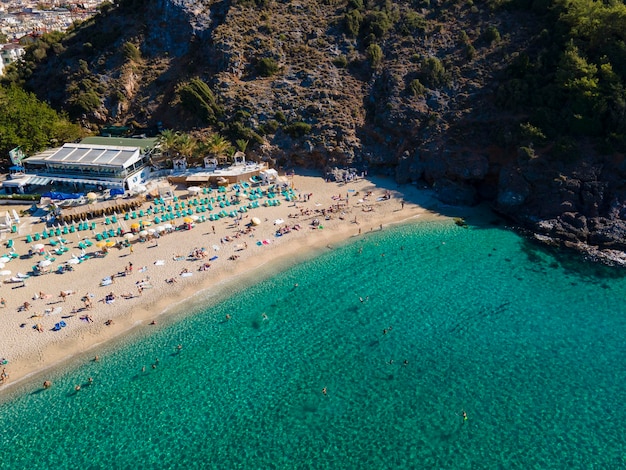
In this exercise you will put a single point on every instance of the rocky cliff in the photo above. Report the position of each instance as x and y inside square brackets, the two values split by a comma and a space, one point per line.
[407, 88]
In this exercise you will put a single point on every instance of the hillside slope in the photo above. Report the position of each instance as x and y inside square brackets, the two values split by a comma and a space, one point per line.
[417, 89]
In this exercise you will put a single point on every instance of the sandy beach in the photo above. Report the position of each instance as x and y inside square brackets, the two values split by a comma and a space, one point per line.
[157, 274]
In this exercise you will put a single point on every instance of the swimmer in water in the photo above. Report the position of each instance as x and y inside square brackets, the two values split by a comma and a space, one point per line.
[265, 317]
[325, 391]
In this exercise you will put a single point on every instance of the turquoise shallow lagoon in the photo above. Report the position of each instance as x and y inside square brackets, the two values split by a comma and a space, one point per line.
[529, 343]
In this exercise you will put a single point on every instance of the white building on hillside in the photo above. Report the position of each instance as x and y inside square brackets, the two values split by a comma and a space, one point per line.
[9, 53]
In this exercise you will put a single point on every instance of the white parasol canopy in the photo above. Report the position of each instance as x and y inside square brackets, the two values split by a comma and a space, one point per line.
[45, 262]
[161, 228]
[38, 246]
[5, 272]
[129, 235]
[143, 233]
[256, 221]
[4, 259]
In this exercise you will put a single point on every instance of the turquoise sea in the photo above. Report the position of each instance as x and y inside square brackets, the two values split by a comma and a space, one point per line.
[529, 343]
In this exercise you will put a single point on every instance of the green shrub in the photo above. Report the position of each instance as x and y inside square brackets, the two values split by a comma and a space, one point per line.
[85, 102]
[377, 23]
[492, 35]
[197, 98]
[298, 129]
[267, 67]
[341, 61]
[416, 88]
[353, 20]
[131, 52]
[374, 55]
[433, 73]
[411, 23]
[280, 117]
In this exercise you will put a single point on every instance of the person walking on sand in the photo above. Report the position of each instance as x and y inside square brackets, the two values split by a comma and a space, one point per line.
[3, 302]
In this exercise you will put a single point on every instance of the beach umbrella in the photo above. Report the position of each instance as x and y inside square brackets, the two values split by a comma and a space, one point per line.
[168, 226]
[5, 272]
[92, 197]
[73, 261]
[109, 243]
[134, 225]
[45, 263]
[151, 230]
[4, 259]
[143, 233]
[256, 221]
[101, 244]
[161, 228]
[129, 236]
[38, 246]
[195, 218]
[146, 223]
[187, 220]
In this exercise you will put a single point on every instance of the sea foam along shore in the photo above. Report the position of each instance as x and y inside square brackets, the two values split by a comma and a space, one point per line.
[359, 206]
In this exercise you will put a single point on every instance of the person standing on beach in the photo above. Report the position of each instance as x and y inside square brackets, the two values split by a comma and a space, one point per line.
[3, 302]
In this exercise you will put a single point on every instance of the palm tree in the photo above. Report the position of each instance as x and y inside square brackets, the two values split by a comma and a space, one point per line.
[187, 145]
[167, 142]
[242, 145]
[218, 146]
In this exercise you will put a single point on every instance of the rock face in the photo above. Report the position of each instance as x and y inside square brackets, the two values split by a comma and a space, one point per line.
[421, 110]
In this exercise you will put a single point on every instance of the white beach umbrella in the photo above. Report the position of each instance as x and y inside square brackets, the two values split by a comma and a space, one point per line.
[151, 230]
[5, 272]
[195, 217]
[143, 233]
[38, 246]
[168, 226]
[45, 262]
[73, 261]
[256, 221]
[161, 228]
[129, 235]
[4, 259]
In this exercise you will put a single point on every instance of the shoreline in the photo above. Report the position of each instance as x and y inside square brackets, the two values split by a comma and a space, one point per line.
[32, 354]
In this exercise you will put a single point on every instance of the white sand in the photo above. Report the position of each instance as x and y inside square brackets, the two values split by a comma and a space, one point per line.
[30, 351]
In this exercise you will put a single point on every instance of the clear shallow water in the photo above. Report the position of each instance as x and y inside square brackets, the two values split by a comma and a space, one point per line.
[530, 345]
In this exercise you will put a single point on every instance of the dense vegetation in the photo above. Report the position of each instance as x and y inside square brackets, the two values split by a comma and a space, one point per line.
[27, 122]
[572, 81]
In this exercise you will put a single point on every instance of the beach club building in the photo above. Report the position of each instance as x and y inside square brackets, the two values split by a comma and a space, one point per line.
[90, 164]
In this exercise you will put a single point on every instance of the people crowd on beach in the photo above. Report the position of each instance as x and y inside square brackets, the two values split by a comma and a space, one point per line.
[239, 228]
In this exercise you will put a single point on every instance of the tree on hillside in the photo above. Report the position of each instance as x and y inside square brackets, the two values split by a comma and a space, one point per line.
[31, 124]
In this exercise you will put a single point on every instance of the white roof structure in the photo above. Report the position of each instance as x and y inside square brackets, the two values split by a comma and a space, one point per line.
[88, 155]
